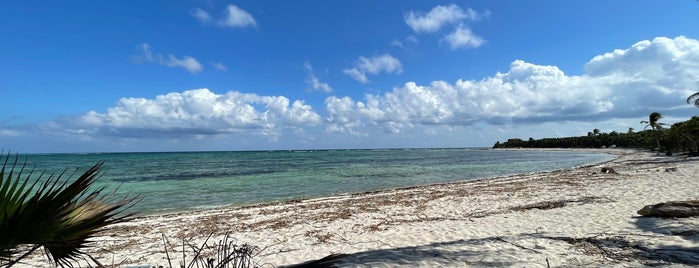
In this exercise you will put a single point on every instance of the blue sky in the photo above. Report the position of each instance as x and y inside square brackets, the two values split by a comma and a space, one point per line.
[87, 76]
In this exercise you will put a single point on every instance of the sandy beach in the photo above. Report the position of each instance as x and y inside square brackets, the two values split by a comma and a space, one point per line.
[564, 218]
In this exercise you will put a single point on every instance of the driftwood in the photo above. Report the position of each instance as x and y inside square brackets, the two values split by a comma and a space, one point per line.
[675, 209]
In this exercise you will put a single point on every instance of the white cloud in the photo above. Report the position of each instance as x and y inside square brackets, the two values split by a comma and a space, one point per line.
[10, 132]
[397, 43]
[147, 54]
[342, 116]
[219, 66]
[357, 75]
[313, 82]
[374, 65]
[616, 91]
[655, 58]
[237, 17]
[317, 85]
[411, 39]
[201, 15]
[234, 17]
[188, 63]
[654, 75]
[198, 112]
[656, 70]
[463, 37]
[438, 17]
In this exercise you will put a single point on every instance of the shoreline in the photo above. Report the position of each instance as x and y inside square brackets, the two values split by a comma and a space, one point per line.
[569, 217]
[614, 152]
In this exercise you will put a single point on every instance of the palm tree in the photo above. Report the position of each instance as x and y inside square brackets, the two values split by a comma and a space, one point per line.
[694, 98]
[53, 214]
[655, 126]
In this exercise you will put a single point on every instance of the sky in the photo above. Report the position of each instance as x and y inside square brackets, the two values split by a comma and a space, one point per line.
[125, 76]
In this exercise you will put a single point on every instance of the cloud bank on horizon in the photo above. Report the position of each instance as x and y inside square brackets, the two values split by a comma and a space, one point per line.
[621, 85]
[625, 83]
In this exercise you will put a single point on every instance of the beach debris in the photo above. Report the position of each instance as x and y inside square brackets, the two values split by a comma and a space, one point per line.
[561, 203]
[672, 169]
[621, 248]
[676, 209]
[319, 236]
[542, 205]
[607, 170]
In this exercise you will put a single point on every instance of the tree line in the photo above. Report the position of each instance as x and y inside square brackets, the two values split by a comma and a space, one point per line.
[679, 137]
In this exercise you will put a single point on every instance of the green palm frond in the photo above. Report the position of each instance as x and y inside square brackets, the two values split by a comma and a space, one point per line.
[57, 215]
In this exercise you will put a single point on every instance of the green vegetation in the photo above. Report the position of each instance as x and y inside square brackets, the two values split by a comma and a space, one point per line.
[642, 139]
[680, 137]
[49, 212]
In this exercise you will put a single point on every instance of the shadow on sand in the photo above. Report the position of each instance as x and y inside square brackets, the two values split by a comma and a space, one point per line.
[681, 227]
[610, 249]
[434, 255]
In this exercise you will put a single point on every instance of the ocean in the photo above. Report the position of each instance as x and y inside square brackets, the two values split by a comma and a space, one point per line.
[179, 181]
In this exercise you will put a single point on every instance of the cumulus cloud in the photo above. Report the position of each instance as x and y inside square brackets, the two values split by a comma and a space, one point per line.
[188, 63]
[342, 116]
[234, 17]
[313, 82]
[463, 37]
[655, 70]
[439, 17]
[198, 112]
[649, 76]
[624, 85]
[655, 58]
[374, 65]
[237, 17]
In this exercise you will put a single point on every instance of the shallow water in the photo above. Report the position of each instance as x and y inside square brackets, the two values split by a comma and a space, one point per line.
[187, 180]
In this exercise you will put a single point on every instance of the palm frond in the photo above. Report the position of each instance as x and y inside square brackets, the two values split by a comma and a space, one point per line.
[55, 214]
[694, 99]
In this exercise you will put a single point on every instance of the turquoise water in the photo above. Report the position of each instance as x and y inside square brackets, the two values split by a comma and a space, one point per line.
[191, 180]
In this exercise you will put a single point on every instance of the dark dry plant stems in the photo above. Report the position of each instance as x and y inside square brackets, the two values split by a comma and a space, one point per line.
[226, 254]
[198, 251]
[165, 242]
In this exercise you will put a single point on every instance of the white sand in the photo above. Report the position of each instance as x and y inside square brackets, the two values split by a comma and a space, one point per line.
[592, 221]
